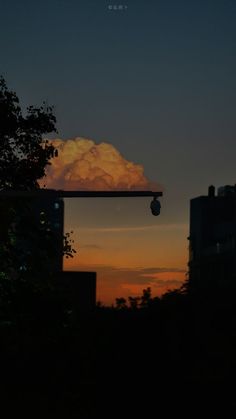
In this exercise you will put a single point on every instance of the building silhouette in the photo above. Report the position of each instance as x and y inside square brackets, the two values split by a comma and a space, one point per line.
[77, 287]
[51, 211]
[212, 239]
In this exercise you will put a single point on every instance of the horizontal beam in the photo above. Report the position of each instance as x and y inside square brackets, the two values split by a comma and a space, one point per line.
[52, 193]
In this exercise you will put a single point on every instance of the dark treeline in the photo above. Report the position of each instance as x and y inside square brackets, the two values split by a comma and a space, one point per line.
[173, 353]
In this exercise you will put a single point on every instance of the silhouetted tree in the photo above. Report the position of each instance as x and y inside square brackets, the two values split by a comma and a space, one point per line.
[26, 246]
[134, 302]
[146, 297]
[121, 303]
[23, 153]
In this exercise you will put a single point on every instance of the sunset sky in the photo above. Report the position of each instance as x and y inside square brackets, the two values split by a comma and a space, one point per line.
[155, 81]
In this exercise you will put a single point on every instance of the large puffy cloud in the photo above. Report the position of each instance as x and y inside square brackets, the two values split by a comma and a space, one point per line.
[84, 165]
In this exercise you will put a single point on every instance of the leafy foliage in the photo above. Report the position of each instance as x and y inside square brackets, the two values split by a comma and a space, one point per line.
[23, 153]
[68, 250]
[144, 301]
[27, 247]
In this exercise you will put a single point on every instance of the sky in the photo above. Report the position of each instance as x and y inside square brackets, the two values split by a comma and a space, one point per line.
[156, 80]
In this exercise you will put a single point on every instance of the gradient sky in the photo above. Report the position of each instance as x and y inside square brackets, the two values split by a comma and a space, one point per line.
[156, 80]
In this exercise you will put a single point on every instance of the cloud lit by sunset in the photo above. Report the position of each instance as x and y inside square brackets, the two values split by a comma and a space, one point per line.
[84, 165]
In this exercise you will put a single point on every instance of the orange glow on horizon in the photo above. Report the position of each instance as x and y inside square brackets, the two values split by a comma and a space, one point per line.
[112, 283]
[127, 260]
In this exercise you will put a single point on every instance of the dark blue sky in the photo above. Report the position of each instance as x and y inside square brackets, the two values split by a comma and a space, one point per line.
[157, 80]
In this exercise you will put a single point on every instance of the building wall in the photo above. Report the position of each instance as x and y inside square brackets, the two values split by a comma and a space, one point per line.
[212, 248]
[51, 211]
[77, 288]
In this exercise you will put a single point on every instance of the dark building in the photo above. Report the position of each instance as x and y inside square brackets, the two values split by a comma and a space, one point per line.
[44, 213]
[78, 288]
[212, 240]
[51, 211]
